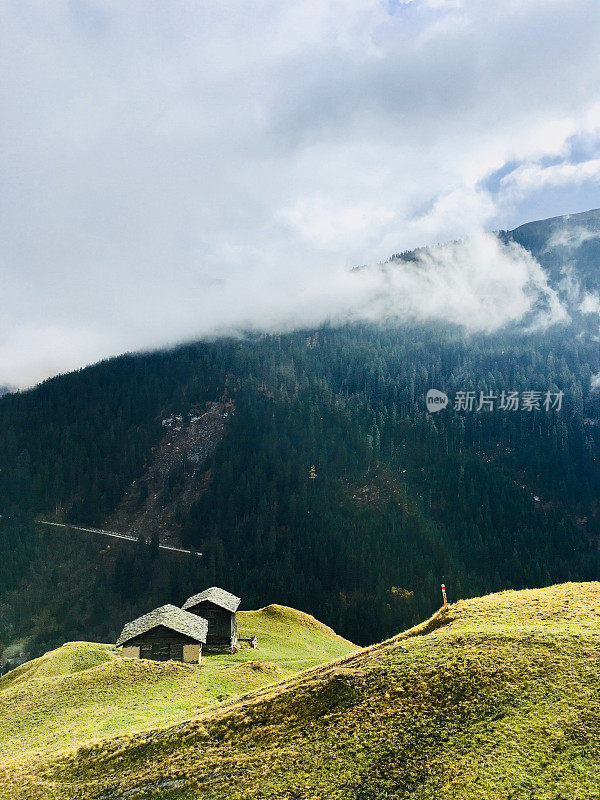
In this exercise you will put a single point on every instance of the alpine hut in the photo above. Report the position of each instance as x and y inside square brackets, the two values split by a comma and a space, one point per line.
[218, 608]
[166, 633]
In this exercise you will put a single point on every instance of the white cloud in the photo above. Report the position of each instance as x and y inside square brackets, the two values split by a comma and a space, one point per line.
[480, 284]
[332, 227]
[590, 303]
[571, 237]
[531, 177]
[171, 168]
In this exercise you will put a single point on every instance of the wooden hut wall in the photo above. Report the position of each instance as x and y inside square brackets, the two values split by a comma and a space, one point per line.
[162, 644]
[221, 623]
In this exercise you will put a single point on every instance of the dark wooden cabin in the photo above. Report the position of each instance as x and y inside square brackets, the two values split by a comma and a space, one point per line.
[218, 608]
[166, 633]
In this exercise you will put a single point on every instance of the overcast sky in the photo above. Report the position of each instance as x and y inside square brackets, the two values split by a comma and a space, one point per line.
[171, 169]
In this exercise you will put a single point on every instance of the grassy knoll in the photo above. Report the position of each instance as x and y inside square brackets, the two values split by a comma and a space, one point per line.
[84, 691]
[496, 698]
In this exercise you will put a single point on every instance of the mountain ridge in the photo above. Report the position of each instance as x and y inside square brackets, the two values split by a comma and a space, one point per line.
[578, 216]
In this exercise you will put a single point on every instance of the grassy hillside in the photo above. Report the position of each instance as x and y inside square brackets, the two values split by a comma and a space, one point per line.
[84, 691]
[493, 698]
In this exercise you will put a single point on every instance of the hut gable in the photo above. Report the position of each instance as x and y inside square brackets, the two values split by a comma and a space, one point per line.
[216, 596]
[169, 617]
[219, 608]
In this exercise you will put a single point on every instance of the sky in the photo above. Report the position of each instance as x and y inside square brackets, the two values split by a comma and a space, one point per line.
[176, 170]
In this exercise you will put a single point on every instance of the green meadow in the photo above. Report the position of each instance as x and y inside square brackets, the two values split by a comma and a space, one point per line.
[84, 691]
[492, 698]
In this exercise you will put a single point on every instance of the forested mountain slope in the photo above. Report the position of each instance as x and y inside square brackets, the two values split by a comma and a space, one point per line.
[402, 499]
[567, 247]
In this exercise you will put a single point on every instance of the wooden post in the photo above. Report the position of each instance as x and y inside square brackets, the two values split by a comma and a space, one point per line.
[444, 594]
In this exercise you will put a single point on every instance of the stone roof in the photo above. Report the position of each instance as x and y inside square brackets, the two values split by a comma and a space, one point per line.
[214, 595]
[170, 617]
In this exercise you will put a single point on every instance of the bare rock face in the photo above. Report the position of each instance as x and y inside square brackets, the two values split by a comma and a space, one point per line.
[177, 475]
